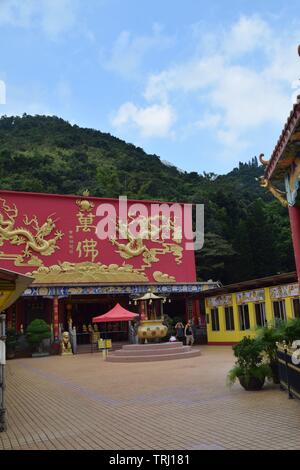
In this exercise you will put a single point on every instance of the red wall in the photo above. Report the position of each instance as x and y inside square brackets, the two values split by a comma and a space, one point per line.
[294, 213]
[64, 211]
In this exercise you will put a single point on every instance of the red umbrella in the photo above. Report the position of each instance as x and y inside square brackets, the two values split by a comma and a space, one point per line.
[118, 313]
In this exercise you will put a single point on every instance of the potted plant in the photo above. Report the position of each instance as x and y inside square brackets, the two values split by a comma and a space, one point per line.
[11, 342]
[37, 331]
[249, 368]
[290, 330]
[269, 336]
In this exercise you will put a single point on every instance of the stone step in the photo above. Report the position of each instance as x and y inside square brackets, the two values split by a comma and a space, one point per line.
[149, 358]
[138, 347]
[147, 352]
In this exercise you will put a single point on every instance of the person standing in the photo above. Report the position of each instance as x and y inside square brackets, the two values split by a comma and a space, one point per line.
[188, 332]
[179, 331]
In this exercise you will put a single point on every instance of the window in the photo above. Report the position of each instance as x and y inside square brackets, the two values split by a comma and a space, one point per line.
[296, 307]
[279, 310]
[260, 314]
[229, 321]
[215, 325]
[244, 317]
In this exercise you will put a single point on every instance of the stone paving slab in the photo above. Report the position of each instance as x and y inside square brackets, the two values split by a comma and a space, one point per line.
[83, 402]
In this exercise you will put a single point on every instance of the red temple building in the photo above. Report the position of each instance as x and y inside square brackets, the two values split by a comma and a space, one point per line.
[77, 273]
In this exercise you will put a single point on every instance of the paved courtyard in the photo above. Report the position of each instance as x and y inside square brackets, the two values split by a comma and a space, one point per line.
[82, 402]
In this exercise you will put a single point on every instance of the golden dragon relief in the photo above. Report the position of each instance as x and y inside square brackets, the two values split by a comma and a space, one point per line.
[150, 228]
[32, 236]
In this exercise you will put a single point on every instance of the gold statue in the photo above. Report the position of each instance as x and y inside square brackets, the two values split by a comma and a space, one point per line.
[153, 226]
[280, 195]
[32, 235]
[65, 345]
[262, 160]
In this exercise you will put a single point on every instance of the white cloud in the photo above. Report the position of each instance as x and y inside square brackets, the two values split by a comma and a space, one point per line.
[235, 91]
[52, 16]
[247, 34]
[128, 51]
[248, 98]
[152, 121]
[187, 77]
[58, 16]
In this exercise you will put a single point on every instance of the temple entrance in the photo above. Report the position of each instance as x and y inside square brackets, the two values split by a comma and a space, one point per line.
[82, 309]
[176, 309]
[58, 310]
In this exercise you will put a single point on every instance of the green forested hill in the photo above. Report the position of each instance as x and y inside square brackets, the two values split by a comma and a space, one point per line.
[247, 232]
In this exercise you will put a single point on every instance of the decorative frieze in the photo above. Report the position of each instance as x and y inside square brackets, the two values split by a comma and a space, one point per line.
[257, 295]
[63, 291]
[219, 300]
[288, 290]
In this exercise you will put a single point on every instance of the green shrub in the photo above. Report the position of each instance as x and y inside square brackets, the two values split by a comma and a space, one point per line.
[36, 331]
[260, 372]
[290, 330]
[269, 336]
[249, 361]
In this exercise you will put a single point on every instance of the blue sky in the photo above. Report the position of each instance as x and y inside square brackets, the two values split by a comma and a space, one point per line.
[202, 84]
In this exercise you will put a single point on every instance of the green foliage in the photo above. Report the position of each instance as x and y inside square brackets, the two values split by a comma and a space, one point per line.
[47, 154]
[289, 331]
[248, 352]
[36, 331]
[260, 372]
[249, 361]
[269, 336]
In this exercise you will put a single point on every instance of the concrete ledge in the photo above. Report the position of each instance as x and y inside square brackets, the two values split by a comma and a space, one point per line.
[150, 358]
[152, 351]
[150, 346]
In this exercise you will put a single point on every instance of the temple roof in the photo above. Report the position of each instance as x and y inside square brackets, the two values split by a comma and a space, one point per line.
[278, 279]
[287, 147]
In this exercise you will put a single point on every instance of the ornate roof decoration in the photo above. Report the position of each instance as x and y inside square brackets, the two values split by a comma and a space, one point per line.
[288, 144]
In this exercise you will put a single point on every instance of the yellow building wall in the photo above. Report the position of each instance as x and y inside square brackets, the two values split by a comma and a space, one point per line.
[228, 337]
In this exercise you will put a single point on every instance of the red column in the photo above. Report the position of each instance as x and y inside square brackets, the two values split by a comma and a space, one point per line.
[142, 310]
[55, 317]
[294, 213]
